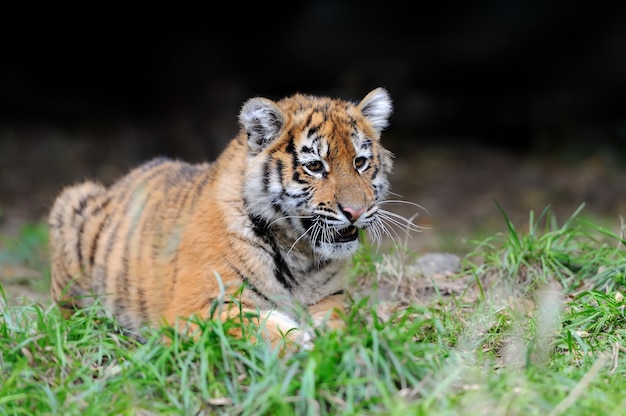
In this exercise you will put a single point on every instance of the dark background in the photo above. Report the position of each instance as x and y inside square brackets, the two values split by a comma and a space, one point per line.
[499, 99]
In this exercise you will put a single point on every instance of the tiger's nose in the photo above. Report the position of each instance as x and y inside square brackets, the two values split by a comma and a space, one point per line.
[352, 214]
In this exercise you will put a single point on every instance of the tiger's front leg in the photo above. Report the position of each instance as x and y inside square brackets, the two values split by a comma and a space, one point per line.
[275, 327]
[281, 330]
[329, 312]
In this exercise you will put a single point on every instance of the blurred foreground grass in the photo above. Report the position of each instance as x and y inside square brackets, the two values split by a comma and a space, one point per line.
[532, 323]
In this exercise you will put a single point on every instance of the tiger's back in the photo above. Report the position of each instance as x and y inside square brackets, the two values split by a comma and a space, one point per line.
[277, 213]
[119, 242]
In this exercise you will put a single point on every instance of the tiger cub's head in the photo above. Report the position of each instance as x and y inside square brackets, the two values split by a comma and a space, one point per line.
[316, 170]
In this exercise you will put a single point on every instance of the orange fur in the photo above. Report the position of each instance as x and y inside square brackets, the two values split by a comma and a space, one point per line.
[169, 238]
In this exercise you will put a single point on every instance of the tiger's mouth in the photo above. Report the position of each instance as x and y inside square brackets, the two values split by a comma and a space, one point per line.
[344, 235]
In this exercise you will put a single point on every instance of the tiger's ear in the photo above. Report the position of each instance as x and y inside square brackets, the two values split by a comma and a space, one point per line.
[262, 120]
[376, 107]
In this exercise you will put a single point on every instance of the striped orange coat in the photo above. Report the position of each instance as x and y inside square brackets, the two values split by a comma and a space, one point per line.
[278, 212]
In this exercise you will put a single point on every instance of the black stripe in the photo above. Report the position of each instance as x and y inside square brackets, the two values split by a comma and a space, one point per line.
[353, 123]
[266, 177]
[291, 149]
[142, 196]
[120, 303]
[104, 269]
[279, 170]
[148, 222]
[79, 243]
[312, 132]
[281, 271]
[102, 206]
[81, 229]
[94, 241]
[157, 246]
[315, 266]
[143, 172]
[59, 220]
[375, 173]
[123, 200]
[112, 236]
[291, 145]
[296, 178]
[82, 204]
[302, 194]
[255, 290]
[329, 278]
[308, 119]
[200, 187]
[247, 241]
[378, 189]
[249, 285]
[173, 227]
[324, 110]
[143, 304]
[260, 227]
[179, 173]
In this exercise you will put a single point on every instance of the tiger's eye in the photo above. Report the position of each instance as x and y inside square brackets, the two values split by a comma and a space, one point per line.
[360, 162]
[315, 166]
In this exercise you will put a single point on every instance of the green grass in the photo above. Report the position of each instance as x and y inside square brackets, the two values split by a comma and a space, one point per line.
[537, 328]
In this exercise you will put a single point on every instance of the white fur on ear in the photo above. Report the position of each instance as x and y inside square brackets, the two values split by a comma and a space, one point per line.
[262, 120]
[376, 107]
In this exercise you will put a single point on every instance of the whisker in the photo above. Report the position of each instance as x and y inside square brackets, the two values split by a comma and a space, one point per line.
[400, 217]
[400, 221]
[395, 194]
[375, 234]
[399, 201]
[286, 217]
[299, 238]
[327, 234]
[405, 226]
[385, 230]
[316, 235]
[319, 231]
[385, 222]
[388, 230]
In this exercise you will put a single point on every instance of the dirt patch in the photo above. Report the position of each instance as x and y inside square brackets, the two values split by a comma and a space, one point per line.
[23, 285]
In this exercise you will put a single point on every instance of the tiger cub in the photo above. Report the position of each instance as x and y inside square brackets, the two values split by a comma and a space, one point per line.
[271, 223]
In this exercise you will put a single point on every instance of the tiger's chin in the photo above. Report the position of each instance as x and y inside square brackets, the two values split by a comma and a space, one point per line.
[343, 245]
